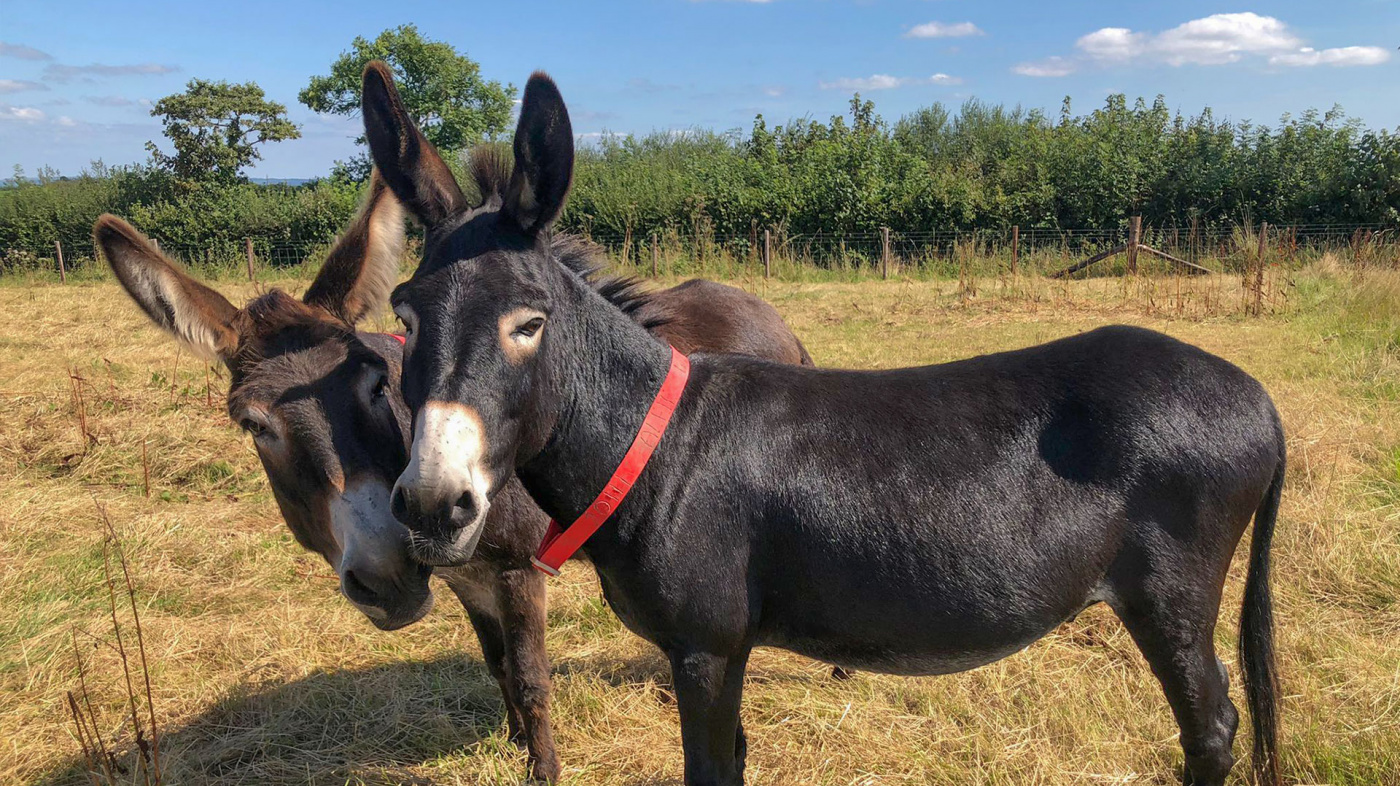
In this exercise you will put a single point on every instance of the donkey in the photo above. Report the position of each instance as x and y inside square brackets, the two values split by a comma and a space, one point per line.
[912, 521]
[322, 404]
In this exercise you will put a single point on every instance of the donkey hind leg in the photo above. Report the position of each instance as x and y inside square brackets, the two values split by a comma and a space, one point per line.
[1175, 635]
[708, 692]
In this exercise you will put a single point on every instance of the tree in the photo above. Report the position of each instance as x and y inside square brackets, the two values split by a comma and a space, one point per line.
[216, 128]
[442, 90]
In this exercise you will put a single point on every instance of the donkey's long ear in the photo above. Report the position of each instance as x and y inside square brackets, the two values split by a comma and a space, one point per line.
[195, 314]
[363, 265]
[407, 161]
[544, 157]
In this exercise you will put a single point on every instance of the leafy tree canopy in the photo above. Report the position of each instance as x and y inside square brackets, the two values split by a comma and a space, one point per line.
[216, 128]
[441, 89]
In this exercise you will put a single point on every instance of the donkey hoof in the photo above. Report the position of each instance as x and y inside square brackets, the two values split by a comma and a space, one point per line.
[545, 772]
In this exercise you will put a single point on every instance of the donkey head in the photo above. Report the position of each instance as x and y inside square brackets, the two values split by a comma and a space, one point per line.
[476, 311]
[319, 400]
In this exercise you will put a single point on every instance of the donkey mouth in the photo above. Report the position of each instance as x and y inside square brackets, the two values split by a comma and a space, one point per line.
[450, 549]
[402, 618]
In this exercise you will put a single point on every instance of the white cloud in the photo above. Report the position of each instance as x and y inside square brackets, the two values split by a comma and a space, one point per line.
[66, 121]
[1339, 57]
[1213, 40]
[20, 85]
[26, 113]
[876, 82]
[1111, 43]
[887, 82]
[1050, 66]
[109, 100]
[944, 30]
[22, 52]
[65, 73]
[775, 91]
[1219, 39]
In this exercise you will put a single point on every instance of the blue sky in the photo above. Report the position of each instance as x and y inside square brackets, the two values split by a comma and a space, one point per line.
[76, 78]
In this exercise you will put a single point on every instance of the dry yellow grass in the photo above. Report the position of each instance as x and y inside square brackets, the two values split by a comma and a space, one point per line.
[262, 674]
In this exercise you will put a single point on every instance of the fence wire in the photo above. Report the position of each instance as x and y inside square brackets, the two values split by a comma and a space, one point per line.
[1040, 248]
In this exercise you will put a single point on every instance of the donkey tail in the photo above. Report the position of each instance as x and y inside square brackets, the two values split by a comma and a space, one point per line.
[1256, 644]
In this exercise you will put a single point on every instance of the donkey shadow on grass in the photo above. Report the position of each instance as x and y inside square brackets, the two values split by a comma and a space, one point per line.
[374, 726]
[370, 725]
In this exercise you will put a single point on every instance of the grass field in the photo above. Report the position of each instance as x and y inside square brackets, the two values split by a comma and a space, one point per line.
[262, 674]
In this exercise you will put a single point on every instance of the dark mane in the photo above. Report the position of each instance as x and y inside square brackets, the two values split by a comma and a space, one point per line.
[266, 322]
[490, 166]
[628, 293]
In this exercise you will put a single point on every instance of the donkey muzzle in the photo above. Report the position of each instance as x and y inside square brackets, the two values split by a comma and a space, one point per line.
[442, 495]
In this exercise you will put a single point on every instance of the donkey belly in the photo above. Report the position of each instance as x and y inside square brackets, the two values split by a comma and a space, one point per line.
[936, 639]
[898, 658]
[893, 638]
[932, 597]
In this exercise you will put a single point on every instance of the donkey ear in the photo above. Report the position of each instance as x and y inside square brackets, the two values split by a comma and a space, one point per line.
[196, 315]
[364, 263]
[407, 161]
[544, 157]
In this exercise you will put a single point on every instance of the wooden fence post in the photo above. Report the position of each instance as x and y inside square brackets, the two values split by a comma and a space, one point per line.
[1015, 247]
[655, 256]
[248, 250]
[884, 252]
[1259, 270]
[1134, 238]
[62, 271]
[155, 243]
[767, 253]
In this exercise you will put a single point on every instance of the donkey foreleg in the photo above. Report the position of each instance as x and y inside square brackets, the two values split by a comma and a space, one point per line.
[709, 688]
[509, 618]
[523, 605]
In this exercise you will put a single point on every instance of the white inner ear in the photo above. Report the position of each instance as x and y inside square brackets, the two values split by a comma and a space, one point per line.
[525, 204]
[383, 251]
[159, 287]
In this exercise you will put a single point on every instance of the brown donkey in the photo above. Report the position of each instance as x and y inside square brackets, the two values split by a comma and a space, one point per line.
[322, 404]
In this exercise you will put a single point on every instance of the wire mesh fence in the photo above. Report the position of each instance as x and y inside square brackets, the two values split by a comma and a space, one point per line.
[1030, 249]
[1020, 249]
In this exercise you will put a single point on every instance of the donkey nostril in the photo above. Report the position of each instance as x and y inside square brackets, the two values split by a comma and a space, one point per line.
[398, 505]
[357, 591]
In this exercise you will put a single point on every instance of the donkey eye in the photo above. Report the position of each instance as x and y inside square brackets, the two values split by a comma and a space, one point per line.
[405, 317]
[380, 389]
[253, 427]
[529, 329]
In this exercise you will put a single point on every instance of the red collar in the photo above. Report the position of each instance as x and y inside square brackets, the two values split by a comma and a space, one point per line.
[559, 543]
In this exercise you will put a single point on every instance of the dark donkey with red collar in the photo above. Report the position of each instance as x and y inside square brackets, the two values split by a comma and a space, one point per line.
[322, 403]
[913, 521]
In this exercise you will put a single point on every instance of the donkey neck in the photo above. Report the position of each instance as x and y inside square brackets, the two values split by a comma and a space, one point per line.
[606, 370]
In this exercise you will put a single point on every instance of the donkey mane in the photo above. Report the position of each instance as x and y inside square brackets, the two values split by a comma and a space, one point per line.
[490, 166]
[272, 314]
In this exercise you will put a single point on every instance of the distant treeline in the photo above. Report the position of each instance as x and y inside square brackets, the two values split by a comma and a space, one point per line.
[987, 166]
[982, 166]
[34, 215]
